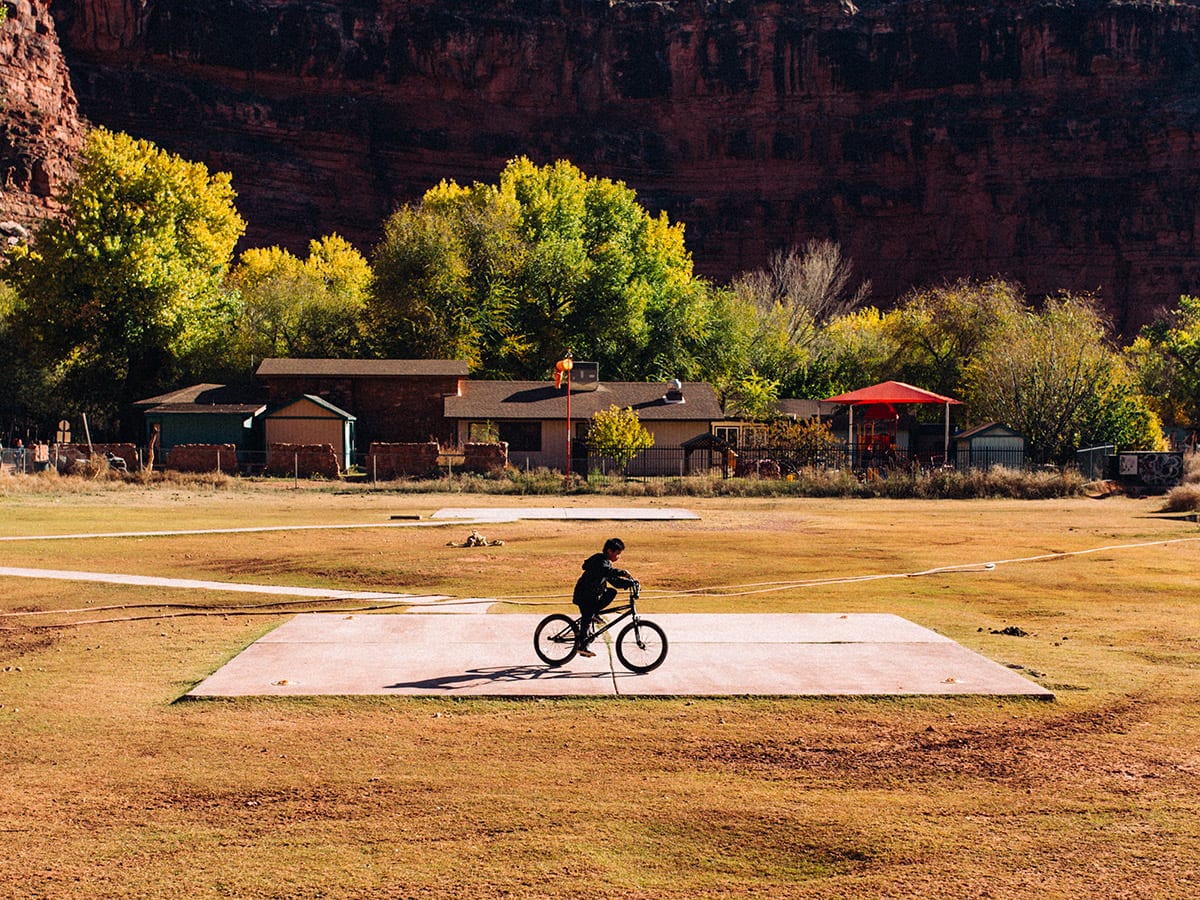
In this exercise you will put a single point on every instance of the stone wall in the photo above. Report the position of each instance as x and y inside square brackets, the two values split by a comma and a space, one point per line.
[302, 460]
[485, 458]
[389, 461]
[203, 458]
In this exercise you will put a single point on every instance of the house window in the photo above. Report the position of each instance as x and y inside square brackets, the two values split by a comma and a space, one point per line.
[727, 433]
[741, 435]
[523, 437]
[482, 432]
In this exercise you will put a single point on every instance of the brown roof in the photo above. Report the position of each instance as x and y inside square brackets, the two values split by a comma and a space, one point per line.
[209, 398]
[542, 400]
[210, 409]
[805, 409]
[361, 368]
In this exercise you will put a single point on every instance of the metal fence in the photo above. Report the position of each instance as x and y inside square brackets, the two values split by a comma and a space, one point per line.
[780, 462]
[714, 462]
[17, 461]
[1095, 463]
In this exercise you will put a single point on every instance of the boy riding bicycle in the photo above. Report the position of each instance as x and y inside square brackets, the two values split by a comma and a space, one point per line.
[592, 591]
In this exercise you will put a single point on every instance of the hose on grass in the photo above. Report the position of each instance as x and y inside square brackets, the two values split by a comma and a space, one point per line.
[183, 610]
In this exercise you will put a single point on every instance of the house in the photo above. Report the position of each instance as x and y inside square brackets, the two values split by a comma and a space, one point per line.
[991, 444]
[207, 414]
[392, 400]
[532, 416]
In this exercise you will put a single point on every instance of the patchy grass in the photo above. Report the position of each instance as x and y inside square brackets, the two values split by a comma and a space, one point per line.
[108, 787]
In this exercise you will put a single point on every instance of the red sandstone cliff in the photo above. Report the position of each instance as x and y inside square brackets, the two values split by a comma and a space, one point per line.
[1054, 142]
[40, 130]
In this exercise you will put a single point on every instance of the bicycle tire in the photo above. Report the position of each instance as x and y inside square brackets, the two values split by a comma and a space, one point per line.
[555, 639]
[641, 646]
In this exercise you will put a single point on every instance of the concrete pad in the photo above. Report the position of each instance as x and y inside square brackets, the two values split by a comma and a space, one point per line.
[514, 513]
[709, 655]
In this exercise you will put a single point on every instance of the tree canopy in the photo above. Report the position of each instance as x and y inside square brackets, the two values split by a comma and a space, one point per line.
[792, 301]
[1166, 356]
[310, 308]
[509, 276]
[1053, 376]
[124, 293]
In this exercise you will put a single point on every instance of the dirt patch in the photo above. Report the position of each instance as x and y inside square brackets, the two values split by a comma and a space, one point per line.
[1081, 746]
[21, 641]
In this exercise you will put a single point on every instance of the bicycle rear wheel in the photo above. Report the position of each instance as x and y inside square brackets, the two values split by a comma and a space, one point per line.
[555, 638]
[641, 646]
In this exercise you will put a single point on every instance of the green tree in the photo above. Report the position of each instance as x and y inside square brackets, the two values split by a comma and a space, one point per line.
[1166, 358]
[123, 295]
[856, 350]
[443, 279]
[506, 276]
[618, 434]
[938, 330]
[295, 308]
[810, 437]
[753, 398]
[1054, 376]
[803, 289]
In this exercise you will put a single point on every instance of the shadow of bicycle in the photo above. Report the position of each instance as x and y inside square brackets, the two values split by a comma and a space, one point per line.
[473, 678]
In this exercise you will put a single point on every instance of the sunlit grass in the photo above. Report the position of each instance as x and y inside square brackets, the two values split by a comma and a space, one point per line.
[109, 787]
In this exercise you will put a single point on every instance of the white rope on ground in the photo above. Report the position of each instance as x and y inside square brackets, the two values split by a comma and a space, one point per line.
[766, 587]
[253, 529]
[391, 601]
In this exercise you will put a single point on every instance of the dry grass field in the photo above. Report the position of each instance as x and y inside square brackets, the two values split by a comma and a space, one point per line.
[110, 786]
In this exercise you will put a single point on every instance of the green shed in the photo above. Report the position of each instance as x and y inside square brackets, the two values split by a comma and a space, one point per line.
[208, 414]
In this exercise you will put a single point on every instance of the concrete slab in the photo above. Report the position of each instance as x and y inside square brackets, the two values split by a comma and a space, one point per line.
[709, 655]
[514, 513]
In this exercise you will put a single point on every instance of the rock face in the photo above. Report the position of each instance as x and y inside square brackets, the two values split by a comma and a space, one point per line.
[1057, 143]
[40, 132]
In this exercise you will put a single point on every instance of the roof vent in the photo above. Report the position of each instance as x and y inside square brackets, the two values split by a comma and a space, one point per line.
[674, 392]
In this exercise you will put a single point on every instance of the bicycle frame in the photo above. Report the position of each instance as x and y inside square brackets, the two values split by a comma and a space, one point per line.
[625, 611]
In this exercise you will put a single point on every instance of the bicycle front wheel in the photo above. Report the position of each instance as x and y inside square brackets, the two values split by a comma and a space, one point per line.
[641, 646]
[555, 639]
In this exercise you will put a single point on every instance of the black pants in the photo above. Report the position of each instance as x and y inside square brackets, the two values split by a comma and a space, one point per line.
[588, 610]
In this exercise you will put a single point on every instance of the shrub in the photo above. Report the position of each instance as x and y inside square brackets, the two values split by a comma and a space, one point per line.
[1185, 497]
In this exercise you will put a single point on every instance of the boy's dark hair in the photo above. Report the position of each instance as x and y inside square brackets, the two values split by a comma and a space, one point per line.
[614, 544]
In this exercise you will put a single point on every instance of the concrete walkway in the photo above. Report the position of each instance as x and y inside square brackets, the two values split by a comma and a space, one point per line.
[709, 655]
[588, 513]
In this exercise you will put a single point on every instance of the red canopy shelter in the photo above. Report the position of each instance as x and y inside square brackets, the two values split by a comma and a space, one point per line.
[893, 392]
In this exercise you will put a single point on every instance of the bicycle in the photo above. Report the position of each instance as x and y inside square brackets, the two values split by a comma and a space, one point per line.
[641, 645]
